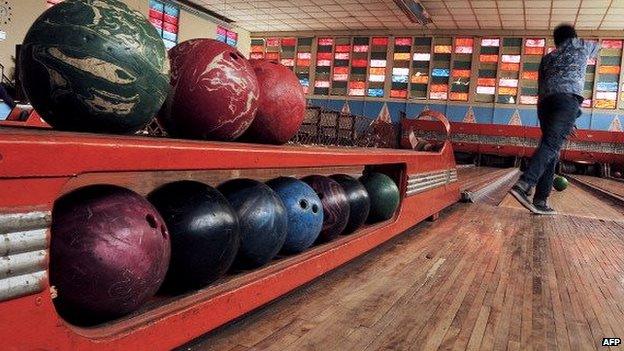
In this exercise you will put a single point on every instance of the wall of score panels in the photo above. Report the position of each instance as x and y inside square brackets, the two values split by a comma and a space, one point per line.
[462, 69]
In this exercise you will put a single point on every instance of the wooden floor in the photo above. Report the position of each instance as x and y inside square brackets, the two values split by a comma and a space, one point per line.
[480, 278]
[579, 202]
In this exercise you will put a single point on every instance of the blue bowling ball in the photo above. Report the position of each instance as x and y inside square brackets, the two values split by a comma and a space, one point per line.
[263, 221]
[305, 213]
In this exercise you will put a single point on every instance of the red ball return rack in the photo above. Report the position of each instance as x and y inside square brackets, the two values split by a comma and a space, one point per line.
[37, 166]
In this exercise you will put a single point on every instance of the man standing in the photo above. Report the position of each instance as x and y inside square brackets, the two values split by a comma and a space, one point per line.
[561, 81]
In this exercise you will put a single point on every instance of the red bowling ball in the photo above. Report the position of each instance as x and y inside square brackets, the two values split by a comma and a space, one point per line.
[281, 105]
[109, 253]
[214, 93]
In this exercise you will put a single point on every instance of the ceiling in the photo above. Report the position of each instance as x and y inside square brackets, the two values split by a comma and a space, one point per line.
[348, 15]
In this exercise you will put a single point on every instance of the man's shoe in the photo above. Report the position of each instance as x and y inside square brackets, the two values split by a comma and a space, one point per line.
[521, 195]
[543, 209]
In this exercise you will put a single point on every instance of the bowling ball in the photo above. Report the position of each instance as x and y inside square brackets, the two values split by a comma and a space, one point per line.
[281, 104]
[109, 253]
[335, 206]
[560, 183]
[94, 66]
[359, 201]
[205, 234]
[263, 221]
[384, 195]
[304, 210]
[214, 92]
[617, 174]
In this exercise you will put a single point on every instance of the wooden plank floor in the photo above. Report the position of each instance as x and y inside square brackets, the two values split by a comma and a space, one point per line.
[480, 278]
[576, 201]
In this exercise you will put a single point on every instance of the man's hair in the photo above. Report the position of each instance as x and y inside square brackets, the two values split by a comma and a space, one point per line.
[562, 33]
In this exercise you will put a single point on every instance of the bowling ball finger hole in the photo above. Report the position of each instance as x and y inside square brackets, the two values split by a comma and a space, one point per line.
[235, 55]
[303, 204]
[151, 220]
[315, 208]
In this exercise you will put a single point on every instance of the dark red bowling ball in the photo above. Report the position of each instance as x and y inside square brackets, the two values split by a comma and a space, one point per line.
[335, 205]
[617, 174]
[281, 105]
[214, 92]
[109, 252]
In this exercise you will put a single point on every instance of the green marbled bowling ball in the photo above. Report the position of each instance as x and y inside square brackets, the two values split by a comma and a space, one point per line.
[560, 183]
[384, 196]
[94, 66]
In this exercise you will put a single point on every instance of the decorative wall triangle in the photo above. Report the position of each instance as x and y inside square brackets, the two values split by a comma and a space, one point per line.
[616, 125]
[470, 116]
[515, 119]
[346, 109]
[384, 114]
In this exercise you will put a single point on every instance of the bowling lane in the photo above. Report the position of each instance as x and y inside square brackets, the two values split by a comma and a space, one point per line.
[469, 177]
[480, 278]
[576, 201]
[609, 185]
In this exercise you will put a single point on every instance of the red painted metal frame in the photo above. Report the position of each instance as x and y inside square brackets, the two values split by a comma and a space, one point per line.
[533, 133]
[36, 167]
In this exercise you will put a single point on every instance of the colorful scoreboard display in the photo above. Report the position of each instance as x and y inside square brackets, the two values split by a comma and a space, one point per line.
[462, 69]
[509, 67]
[288, 49]
[401, 67]
[165, 18]
[303, 62]
[257, 49]
[359, 66]
[534, 49]
[421, 59]
[441, 69]
[272, 49]
[324, 56]
[590, 78]
[608, 77]
[378, 67]
[340, 73]
[488, 69]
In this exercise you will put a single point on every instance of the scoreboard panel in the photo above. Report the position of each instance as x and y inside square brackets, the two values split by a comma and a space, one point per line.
[340, 73]
[590, 81]
[488, 70]
[608, 74]
[257, 49]
[324, 55]
[359, 66]
[441, 68]
[304, 62]
[421, 59]
[378, 66]
[287, 52]
[534, 50]
[509, 71]
[272, 49]
[401, 67]
[462, 69]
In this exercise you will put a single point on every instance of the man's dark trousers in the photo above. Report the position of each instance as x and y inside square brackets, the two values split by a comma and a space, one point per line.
[557, 114]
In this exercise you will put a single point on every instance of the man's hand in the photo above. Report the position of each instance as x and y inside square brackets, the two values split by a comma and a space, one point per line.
[574, 133]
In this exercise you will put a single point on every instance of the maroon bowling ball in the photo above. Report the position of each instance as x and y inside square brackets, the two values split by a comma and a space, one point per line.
[281, 105]
[214, 92]
[109, 253]
[335, 205]
[617, 174]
